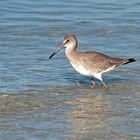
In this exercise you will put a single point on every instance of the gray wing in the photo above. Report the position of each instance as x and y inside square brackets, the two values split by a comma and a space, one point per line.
[99, 61]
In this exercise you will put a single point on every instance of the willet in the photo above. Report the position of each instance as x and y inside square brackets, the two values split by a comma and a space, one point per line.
[92, 64]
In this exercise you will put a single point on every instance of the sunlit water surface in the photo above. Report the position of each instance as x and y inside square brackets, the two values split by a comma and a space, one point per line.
[46, 99]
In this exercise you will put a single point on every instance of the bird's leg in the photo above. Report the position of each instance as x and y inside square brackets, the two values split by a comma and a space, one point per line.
[101, 79]
[93, 83]
[104, 84]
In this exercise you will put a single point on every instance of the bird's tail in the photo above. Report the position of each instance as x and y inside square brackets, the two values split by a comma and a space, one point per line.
[130, 60]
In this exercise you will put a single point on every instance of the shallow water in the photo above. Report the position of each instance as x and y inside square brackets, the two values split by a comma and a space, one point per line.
[46, 99]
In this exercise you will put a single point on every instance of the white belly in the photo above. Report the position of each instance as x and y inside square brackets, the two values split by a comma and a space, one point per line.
[80, 69]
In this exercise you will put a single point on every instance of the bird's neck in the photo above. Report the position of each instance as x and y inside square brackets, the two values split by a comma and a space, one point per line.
[70, 52]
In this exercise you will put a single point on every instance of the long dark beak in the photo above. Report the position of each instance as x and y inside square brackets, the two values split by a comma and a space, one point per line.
[56, 51]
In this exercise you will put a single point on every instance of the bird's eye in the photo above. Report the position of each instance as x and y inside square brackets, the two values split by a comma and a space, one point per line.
[66, 41]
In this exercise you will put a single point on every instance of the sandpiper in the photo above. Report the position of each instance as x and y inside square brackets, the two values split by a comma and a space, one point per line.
[92, 64]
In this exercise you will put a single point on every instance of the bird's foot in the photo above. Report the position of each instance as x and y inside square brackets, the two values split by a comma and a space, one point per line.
[93, 84]
[104, 85]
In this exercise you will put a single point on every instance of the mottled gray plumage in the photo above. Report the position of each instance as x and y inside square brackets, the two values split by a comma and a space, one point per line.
[90, 63]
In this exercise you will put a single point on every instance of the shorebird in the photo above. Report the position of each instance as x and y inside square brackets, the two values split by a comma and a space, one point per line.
[92, 64]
